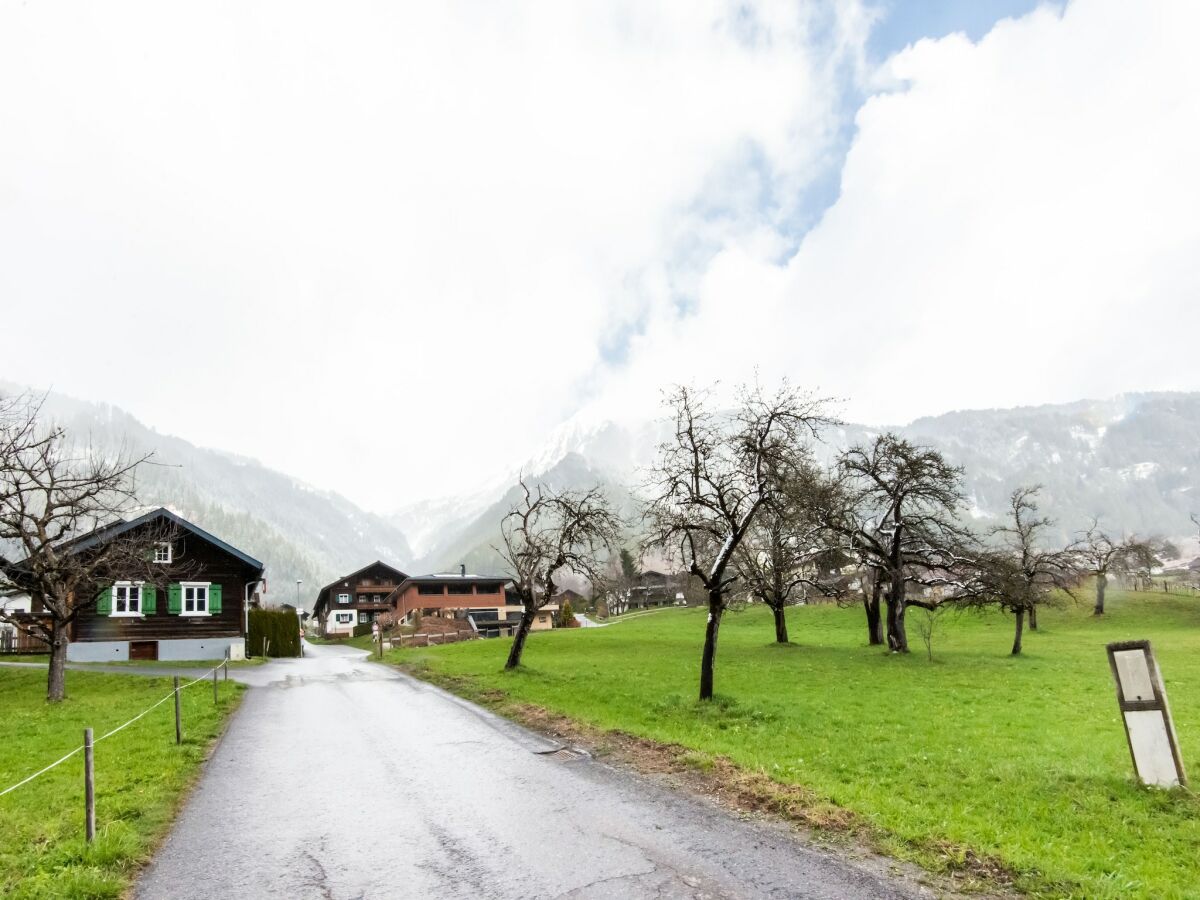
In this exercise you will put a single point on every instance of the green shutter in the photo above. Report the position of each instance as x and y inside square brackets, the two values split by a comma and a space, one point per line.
[149, 600]
[214, 598]
[104, 602]
[174, 599]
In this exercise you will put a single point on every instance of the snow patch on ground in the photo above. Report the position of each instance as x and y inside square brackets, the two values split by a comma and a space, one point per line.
[1088, 436]
[1138, 471]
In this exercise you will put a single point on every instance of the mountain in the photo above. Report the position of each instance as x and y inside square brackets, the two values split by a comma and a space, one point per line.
[299, 532]
[1132, 461]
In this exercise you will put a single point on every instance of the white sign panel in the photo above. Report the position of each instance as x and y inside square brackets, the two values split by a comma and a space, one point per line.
[1143, 702]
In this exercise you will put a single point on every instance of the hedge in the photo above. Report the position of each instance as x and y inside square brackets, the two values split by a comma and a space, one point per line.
[360, 630]
[280, 627]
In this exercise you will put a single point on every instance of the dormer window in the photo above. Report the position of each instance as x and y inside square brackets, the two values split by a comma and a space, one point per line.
[162, 552]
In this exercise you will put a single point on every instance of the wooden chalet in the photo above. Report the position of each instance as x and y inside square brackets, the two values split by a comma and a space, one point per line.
[357, 599]
[196, 615]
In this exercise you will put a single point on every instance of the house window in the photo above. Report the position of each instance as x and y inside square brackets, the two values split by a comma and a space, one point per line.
[430, 590]
[343, 598]
[126, 599]
[345, 618]
[195, 599]
[376, 598]
[363, 618]
[162, 552]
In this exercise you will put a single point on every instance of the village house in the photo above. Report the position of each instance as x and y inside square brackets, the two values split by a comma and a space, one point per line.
[197, 615]
[13, 639]
[357, 599]
[481, 597]
[653, 589]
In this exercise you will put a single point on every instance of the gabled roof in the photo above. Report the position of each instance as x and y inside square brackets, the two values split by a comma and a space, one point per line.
[324, 592]
[116, 529]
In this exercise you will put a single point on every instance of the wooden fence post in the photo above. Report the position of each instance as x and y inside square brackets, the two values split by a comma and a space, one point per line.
[214, 686]
[178, 721]
[89, 785]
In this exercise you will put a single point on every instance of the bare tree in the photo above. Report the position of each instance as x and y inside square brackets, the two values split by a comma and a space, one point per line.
[711, 479]
[548, 532]
[777, 560]
[1031, 575]
[897, 513]
[927, 627]
[1099, 554]
[52, 500]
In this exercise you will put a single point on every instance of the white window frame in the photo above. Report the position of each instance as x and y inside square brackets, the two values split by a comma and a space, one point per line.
[344, 618]
[126, 614]
[364, 617]
[343, 598]
[170, 553]
[183, 599]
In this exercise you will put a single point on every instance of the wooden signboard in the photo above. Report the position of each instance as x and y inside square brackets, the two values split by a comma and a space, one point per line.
[1148, 726]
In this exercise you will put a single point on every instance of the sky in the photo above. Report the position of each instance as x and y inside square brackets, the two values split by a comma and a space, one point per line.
[388, 248]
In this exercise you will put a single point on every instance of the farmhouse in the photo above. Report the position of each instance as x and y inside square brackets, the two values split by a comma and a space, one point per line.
[653, 589]
[196, 615]
[357, 599]
[482, 597]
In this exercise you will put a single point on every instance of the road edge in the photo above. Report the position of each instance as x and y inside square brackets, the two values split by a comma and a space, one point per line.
[720, 782]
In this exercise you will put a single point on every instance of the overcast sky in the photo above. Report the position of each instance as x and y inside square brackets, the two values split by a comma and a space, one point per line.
[388, 247]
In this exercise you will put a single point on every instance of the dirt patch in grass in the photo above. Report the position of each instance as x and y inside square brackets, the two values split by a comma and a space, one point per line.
[947, 869]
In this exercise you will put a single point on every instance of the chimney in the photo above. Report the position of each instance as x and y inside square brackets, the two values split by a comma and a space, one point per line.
[462, 569]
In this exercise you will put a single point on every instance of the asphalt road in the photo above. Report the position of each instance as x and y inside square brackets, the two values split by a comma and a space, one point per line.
[340, 778]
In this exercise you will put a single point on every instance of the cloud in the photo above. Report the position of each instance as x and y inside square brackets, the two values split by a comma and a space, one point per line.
[1016, 224]
[385, 247]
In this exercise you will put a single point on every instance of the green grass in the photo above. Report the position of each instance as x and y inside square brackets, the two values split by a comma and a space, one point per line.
[141, 777]
[178, 663]
[1020, 759]
[152, 663]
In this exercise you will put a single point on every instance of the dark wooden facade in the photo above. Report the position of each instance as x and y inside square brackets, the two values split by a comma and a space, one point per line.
[367, 593]
[163, 629]
[194, 559]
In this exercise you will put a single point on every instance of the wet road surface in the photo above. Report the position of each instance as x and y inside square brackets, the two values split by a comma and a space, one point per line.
[340, 778]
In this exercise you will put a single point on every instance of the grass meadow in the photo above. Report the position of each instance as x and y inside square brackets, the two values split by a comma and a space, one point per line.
[1019, 759]
[141, 777]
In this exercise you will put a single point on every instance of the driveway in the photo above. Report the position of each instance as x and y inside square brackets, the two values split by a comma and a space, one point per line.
[341, 778]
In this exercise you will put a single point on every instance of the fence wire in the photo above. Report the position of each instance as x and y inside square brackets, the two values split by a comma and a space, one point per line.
[109, 734]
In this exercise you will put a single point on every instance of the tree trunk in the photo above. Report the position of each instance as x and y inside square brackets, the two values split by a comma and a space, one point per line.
[1101, 587]
[56, 679]
[709, 658]
[874, 619]
[1016, 650]
[897, 636]
[781, 635]
[1033, 618]
[518, 644]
